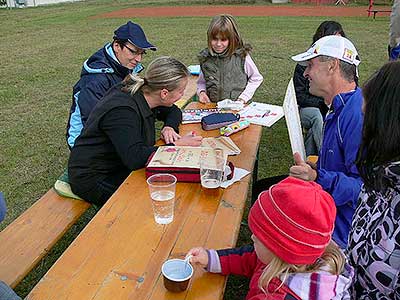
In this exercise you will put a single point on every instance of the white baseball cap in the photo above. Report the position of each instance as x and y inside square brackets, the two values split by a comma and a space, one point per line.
[334, 46]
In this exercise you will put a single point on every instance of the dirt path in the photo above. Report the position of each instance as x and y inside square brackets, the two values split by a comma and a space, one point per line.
[190, 11]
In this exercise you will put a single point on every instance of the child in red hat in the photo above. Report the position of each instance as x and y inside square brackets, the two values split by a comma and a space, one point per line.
[293, 256]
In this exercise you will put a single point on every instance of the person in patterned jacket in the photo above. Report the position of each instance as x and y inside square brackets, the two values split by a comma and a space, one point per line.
[293, 256]
[374, 240]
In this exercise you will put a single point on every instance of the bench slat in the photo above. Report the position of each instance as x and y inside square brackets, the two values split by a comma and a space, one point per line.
[26, 240]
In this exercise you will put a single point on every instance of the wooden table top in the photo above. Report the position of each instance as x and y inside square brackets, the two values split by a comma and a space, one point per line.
[119, 253]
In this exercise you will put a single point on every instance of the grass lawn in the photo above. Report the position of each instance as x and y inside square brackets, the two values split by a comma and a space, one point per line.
[42, 50]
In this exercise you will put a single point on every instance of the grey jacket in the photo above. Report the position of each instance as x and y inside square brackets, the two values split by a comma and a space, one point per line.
[224, 75]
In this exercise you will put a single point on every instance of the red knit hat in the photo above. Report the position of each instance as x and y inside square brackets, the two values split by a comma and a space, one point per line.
[294, 219]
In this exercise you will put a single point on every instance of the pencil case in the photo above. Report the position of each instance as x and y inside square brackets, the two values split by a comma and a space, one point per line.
[234, 127]
[184, 174]
[218, 120]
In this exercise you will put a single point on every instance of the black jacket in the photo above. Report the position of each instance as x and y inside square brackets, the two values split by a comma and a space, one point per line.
[119, 137]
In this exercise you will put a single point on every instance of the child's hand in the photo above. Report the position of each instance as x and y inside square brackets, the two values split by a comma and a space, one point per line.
[203, 98]
[199, 256]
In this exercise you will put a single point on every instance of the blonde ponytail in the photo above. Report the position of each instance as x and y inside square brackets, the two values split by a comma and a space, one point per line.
[135, 83]
[162, 73]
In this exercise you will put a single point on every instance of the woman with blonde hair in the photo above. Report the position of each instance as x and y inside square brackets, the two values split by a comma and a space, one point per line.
[293, 256]
[119, 135]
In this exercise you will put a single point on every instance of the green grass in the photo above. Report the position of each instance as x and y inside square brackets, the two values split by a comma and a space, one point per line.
[42, 50]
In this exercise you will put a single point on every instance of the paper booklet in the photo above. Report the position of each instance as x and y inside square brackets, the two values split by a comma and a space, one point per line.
[195, 115]
[261, 113]
[181, 156]
[293, 121]
[222, 142]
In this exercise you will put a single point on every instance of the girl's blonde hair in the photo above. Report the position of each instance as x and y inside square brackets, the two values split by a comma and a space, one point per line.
[332, 258]
[224, 27]
[164, 72]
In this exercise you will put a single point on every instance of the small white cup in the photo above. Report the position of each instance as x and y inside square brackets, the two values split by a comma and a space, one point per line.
[177, 274]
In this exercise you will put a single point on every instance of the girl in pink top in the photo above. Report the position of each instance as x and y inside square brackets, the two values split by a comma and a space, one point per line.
[226, 69]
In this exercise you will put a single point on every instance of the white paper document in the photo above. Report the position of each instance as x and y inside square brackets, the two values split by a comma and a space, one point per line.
[237, 175]
[261, 113]
[293, 121]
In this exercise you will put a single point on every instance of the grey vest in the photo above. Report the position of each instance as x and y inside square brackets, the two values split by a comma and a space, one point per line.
[225, 76]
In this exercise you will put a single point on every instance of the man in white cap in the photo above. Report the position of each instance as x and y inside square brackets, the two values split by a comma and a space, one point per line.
[105, 68]
[331, 70]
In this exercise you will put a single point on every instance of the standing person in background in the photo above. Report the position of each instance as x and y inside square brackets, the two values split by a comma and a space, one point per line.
[107, 67]
[293, 256]
[227, 70]
[312, 108]
[119, 135]
[374, 240]
[394, 31]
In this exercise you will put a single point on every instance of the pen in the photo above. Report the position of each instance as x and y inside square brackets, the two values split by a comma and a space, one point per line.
[265, 114]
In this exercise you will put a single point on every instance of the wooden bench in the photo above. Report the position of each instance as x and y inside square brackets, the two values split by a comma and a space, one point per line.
[28, 238]
[375, 11]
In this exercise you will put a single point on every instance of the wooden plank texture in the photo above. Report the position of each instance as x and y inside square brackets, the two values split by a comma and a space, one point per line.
[120, 252]
[26, 240]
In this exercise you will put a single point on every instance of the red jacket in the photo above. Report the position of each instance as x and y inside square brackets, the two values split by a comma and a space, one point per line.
[244, 261]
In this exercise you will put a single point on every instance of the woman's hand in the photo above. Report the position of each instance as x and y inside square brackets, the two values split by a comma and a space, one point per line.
[199, 256]
[169, 135]
[190, 139]
[203, 98]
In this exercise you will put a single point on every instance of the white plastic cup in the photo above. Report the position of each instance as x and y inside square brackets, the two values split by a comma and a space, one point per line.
[162, 194]
[212, 169]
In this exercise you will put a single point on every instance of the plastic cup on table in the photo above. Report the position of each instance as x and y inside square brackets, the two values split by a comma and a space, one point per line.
[176, 273]
[162, 194]
[212, 169]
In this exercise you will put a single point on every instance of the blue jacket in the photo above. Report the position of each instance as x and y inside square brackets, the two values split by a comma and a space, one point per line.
[337, 172]
[99, 73]
[3, 208]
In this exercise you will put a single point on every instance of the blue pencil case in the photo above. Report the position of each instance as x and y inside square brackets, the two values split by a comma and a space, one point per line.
[218, 120]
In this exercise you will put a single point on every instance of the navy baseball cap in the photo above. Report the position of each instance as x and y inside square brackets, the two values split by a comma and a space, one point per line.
[134, 34]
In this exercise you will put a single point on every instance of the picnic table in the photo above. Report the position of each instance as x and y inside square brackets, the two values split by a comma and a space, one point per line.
[119, 253]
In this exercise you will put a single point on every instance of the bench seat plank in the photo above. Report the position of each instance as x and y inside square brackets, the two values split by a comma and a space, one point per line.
[29, 237]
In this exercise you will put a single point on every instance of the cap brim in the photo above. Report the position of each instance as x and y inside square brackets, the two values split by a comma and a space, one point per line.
[143, 45]
[303, 57]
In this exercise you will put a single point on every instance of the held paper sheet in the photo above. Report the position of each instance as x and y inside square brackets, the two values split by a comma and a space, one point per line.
[293, 121]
